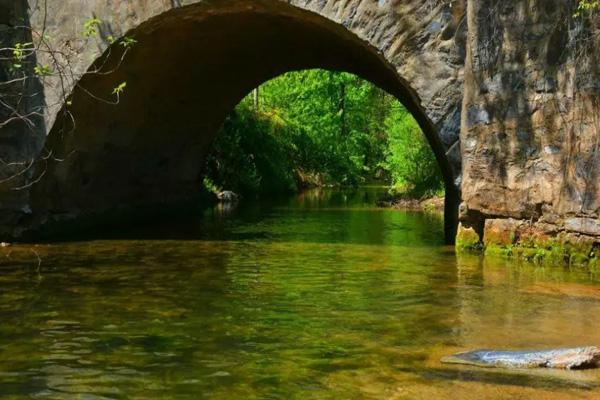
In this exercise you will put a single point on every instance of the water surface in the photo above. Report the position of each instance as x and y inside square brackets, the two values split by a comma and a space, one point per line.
[321, 296]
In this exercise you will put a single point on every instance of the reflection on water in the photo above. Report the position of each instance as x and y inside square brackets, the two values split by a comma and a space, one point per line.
[321, 296]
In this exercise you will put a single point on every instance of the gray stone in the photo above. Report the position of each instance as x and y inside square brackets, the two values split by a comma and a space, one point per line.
[227, 196]
[551, 149]
[587, 226]
[478, 115]
[565, 358]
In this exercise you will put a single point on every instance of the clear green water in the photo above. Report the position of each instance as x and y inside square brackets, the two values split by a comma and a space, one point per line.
[322, 296]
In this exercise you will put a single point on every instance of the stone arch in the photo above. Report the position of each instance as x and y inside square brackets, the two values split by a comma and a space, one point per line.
[193, 64]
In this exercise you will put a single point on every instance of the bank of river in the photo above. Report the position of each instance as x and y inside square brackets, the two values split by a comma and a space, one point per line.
[320, 296]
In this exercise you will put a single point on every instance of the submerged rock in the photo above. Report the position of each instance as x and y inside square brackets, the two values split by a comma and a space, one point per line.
[227, 196]
[570, 358]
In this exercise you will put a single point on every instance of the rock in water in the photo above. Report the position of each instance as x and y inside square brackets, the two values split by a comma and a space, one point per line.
[573, 358]
[227, 196]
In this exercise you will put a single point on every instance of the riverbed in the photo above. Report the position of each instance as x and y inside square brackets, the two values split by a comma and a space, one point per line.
[321, 295]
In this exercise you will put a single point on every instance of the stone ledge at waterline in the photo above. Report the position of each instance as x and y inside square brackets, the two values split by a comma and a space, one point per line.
[573, 241]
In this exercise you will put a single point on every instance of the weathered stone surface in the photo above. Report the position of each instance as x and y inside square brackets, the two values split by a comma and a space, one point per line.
[19, 142]
[588, 226]
[530, 132]
[539, 242]
[501, 232]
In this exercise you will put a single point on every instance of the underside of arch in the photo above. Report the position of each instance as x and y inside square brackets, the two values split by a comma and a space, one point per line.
[189, 68]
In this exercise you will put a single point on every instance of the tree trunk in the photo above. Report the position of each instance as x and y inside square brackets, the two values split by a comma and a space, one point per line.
[255, 98]
[343, 108]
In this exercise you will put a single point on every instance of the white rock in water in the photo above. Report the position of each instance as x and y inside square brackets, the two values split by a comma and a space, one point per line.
[565, 358]
[227, 196]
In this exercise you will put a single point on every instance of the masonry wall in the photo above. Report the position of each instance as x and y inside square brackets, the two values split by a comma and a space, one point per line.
[531, 125]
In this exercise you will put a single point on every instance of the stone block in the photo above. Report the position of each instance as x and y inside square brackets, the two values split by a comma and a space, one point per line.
[501, 232]
[587, 226]
[467, 239]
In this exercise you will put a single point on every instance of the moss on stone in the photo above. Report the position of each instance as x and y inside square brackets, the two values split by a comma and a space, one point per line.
[500, 232]
[560, 250]
[496, 250]
[468, 240]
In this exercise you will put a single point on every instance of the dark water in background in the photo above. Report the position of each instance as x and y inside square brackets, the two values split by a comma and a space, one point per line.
[321, 296]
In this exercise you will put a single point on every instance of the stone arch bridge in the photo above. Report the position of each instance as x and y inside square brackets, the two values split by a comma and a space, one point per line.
[506, 92]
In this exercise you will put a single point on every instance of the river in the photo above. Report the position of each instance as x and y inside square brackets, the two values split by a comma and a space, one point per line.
[319, 296]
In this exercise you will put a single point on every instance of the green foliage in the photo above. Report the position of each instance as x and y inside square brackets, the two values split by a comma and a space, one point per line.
[90, 27]
[119, 89]
[587, 6]
[409, 158]
[15, 67]
[42, 70]
[19, 53]
[338, 120]
[321, 127]
[210, 186]
[128, 42]
[252, 155]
